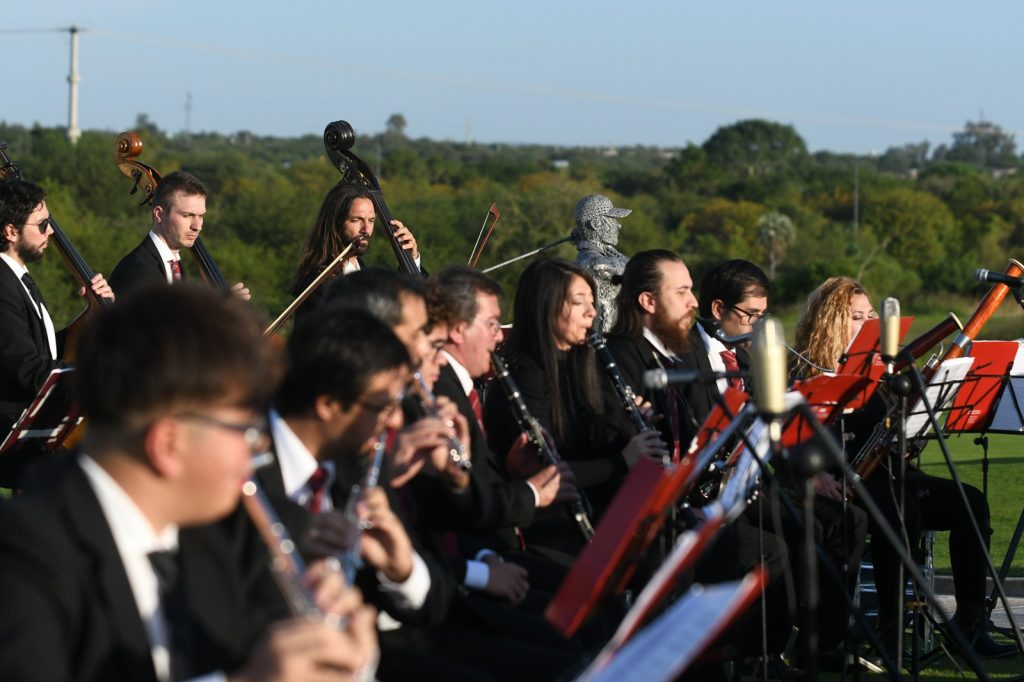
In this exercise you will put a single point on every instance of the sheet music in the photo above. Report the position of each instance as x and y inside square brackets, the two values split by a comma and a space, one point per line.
[941, 390]
[666, 647]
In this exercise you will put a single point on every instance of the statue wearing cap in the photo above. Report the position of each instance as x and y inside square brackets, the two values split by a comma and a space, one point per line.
[595, 236]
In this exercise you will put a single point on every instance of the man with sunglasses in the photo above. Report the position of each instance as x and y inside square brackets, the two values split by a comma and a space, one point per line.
[29, 346]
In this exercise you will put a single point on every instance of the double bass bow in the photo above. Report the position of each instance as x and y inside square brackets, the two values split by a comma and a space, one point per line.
[127, 149]
[74, 262]
[338, 140]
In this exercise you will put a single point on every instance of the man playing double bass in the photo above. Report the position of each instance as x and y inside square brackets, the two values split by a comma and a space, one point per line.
[179, 206]
[29, 346]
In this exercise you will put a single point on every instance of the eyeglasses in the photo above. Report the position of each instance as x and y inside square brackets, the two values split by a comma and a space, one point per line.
[747, 317]
[492, 325]
[43, 225]
[254, 432]
[384, 409]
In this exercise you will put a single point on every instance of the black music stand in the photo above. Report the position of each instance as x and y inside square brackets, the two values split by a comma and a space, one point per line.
[42, 427]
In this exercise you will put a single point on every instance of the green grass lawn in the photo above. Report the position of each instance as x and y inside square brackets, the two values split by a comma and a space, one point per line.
[1005, 488]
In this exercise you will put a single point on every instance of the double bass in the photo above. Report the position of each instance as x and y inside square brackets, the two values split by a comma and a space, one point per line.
[338, 140]
[127, 149]
[74, 262]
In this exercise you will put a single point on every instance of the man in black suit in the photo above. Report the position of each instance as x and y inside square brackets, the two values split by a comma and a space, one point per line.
[179, 206]
[116, 567]
[29, 346]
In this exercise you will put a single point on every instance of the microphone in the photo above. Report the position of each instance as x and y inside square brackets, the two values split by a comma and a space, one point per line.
[983, 275]
[890, 324]
[768, 358]
[660, 379]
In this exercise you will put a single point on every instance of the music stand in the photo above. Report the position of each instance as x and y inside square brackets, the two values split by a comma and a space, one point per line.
[42, 427]
[863, 357]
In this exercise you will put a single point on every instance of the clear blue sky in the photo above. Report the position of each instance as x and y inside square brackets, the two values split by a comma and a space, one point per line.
[850, 76]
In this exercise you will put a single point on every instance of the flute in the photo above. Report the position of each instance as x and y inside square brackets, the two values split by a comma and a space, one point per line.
[533, 430]
[456, 449]
[349, 558]
[286, 565]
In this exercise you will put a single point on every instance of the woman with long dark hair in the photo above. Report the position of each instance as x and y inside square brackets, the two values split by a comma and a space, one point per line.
[559, 379]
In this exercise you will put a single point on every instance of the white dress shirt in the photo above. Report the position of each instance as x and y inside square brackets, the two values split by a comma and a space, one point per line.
[166, 255]
[714, 349]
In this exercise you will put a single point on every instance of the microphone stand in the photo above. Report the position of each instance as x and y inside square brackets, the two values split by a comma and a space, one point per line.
[836, 454]
[919, 384]
[801, 520]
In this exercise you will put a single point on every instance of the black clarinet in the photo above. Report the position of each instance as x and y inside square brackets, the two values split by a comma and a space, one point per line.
[533, 430]
[627, 398]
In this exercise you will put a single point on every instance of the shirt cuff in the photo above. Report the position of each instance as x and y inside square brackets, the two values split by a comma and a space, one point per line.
[484, 553]
[412, 592]
[210, 677]
[477, 575]
[536, 494]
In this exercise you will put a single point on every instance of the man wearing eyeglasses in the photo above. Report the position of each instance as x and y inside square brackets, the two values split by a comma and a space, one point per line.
[29, 346]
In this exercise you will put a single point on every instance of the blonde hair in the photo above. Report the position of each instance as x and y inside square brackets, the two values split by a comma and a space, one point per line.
[823, 331]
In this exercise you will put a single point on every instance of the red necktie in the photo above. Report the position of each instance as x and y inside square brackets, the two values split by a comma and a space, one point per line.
[729, 358]
[175, 270]
[478, 408]
[317, 484]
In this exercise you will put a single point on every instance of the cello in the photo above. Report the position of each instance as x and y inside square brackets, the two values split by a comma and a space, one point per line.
[74, 262]
[127, 149]
[338, 140]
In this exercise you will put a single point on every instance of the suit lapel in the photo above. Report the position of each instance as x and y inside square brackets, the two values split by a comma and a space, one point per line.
[87, 522]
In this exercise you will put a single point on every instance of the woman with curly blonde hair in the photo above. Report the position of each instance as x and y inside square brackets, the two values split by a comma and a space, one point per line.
[835, 312]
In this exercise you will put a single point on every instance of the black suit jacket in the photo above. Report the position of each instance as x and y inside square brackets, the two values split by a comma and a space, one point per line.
[140, 267]
[25, 358]
[68, 608]
[494, 504]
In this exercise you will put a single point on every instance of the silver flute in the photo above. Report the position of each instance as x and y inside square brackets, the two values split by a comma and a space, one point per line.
[349, 558]
[286, 565]
[456, 449]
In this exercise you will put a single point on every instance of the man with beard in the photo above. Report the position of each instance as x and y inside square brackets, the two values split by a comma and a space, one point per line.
[347, 216]
[179, 206]
[29, 346]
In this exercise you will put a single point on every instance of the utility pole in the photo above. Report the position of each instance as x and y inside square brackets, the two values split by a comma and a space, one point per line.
[74, 132]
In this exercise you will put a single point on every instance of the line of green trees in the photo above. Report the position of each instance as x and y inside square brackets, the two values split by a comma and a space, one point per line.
[907, 222]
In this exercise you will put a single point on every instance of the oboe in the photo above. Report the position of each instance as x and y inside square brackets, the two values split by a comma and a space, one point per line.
[286, 565]
[349, 558]
[456, 450]
[533, 430]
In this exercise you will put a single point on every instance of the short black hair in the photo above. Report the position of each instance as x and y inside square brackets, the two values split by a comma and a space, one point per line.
[161, 349]
[376, 290]
[731, 282]
[18, 198]
[336, 351]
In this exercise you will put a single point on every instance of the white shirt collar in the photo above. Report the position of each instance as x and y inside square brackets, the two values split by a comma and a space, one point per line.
[658, 345]
[461, 372]
[18, 268]
[135, 538]
[714, 347]
[296, 461]
[166, 253]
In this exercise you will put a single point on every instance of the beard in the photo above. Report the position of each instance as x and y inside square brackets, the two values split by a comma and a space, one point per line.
[360, 244]
[674, 334]
[27, 252]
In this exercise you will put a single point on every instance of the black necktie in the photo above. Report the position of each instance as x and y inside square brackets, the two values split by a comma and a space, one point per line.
[33, 290]
[175, 607]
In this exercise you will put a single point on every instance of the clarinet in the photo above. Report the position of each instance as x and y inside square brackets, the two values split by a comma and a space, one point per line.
[627, 398]
[349, 558]
[456, 450]
[533, 430]
[286, 565]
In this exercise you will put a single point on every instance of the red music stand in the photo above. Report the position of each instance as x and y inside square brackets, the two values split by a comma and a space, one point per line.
[47, 421]
[827, 395]
[864, 358]
[974, 405]
[629, 525]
